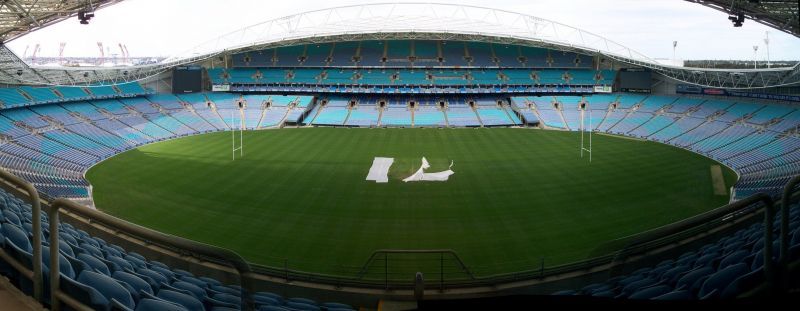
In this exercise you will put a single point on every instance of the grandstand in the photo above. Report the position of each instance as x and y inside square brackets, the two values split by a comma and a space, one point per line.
[689, 196]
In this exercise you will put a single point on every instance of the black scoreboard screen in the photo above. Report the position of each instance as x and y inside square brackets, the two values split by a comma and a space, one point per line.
[187, 79]
[635, 80]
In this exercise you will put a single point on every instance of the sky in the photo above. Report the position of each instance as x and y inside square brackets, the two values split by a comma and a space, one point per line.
[168, 27]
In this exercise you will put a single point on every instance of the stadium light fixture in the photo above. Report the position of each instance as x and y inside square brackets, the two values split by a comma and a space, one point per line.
[755, 57]
[85, 16]
[737, 19]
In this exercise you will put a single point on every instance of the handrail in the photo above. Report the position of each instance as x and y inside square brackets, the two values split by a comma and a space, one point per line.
[695, 221]
[36, 215]
[224, 256]
[241, 266]
[374, 254]
[769, 216]
[788, 190]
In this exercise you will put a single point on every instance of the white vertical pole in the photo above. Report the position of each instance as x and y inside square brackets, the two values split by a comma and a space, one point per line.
[590, 136]
[674, 46]
[233, 139]
[241, 137]
[581, 128]
[755, 55]
[766, 42]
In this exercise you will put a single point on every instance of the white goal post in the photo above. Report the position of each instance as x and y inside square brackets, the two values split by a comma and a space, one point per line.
[583, 130]
[234, 148]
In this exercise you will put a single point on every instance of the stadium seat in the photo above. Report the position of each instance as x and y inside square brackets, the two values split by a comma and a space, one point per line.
[196, 281]
[676, 295]
[107, 286]
[636, 286]
[671, 276]
[15, 236]
[196, 291]
[185, 300]
[135, 282]
[743, 283]
[155, 278]
[690, 278]
[733, 258]
[85, 294]
[94, 263]
[722, 278]
[301, 306]
[158, 305]
[336, 306]
[651, 292]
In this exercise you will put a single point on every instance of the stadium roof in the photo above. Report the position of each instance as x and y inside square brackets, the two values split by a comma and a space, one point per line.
[400, 21]
[19, 17]
[783, 15]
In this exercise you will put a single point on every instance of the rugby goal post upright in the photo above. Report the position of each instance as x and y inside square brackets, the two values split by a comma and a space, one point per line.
[583, 131]
[234, 148]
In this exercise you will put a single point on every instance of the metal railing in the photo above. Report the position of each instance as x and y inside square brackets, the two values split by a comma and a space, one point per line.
[36, 221]
[635, 243]
[788, 192]
[638, 244]
[221, 254]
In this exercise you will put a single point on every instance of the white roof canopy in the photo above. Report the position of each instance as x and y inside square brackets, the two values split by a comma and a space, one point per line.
[409, 21]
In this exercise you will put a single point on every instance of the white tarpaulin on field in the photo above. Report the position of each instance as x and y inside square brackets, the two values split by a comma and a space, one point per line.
[420, 175]
[379, 172]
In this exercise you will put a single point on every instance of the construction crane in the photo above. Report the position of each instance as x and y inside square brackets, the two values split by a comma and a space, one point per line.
[102, 53]
[123, 52]
[35, 50]
[61, 47]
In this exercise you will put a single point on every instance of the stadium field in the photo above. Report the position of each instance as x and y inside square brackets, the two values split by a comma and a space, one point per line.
[298, 198]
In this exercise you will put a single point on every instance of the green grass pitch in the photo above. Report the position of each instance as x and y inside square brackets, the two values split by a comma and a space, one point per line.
[299, 195]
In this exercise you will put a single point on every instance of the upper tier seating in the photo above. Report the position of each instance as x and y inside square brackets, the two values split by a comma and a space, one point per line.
[402, 76]
[411, 53]
[26, 95]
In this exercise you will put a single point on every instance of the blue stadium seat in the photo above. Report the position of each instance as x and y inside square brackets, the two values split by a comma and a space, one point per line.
[228, 298]
[302, 306]
[107, 286]
[95, 263]
[196, 291]
[651, 292]
[85, 294]
[265, 300]
[743, 283]
[671, 276]
[135, 282]
[636, 286]
[690, 278]
[119, 263]
[676, 295]
[157, 278]
[722, 278]
[182, 299]
[227, 290]
[337, 306]
[158, 305]
[196, 281]
[15, 236]
[733, 258]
